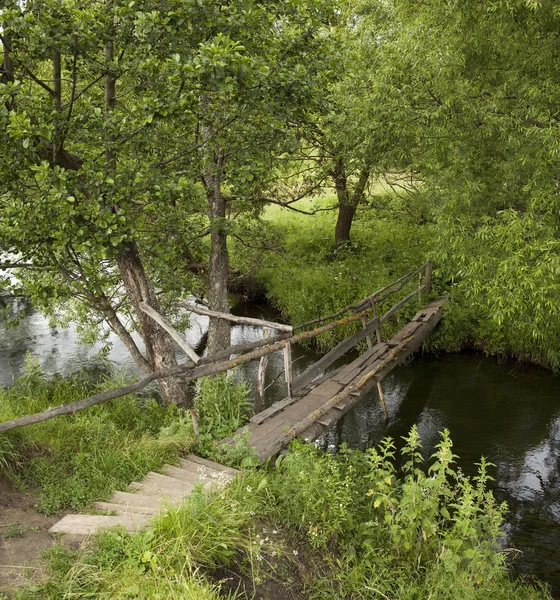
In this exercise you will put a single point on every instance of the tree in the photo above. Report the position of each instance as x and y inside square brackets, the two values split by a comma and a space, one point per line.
[126, 129]
[484, 114]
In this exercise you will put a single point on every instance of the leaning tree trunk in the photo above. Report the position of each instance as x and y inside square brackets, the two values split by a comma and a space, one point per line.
[159, 346]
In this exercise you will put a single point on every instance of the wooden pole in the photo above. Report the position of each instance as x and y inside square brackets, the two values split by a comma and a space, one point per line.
[288, 367]
[172, 332]
[428, 280]
[368, 337]
[363, 303]
[261, 374]
[382, 398]
[377, 327]
[235, 318]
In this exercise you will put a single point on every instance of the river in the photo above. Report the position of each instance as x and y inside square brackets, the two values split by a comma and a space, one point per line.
[508, 412]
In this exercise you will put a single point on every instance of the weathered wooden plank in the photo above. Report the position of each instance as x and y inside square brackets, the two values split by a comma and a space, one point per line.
[327, 389]
[339, 350]
[272, 410]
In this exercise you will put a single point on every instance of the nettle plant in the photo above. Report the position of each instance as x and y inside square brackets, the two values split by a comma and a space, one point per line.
[435, 515]
[417, 521]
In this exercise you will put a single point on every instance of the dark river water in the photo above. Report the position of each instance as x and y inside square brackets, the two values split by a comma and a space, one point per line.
[508, 412]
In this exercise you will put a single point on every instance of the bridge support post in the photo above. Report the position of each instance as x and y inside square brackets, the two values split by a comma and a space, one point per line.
[382, 398]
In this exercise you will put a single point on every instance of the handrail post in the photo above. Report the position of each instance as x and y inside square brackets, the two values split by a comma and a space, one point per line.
[428, 280]
[288, 367]
[261, 374]
[368, 337]
[377, 327]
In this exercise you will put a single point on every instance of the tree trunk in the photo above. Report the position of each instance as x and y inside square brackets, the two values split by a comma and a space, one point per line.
[219, 331]
[159, 346]
[347, 201]
[346, 209]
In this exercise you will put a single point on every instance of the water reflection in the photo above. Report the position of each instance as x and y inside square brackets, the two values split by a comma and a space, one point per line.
[507, 412]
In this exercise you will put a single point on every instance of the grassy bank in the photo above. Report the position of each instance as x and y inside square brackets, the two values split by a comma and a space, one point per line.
[315, 526]
[502, 301]
[73, 460]
[305, 276]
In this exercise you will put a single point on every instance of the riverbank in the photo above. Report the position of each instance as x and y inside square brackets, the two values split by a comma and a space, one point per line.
[310, 525]
[305, 276]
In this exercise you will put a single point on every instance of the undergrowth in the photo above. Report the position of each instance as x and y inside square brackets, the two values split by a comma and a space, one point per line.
[223, 403]
[75, 459]
[307, 276]
[354, 524]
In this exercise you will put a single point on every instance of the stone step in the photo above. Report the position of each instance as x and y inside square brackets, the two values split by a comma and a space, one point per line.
[87, 524]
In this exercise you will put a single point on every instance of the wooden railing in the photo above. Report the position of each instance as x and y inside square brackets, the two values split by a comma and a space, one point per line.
[220, 362]
[368, 327]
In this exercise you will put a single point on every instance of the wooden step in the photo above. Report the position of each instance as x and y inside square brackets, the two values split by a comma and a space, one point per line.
[125, 510]
[212, 479]
[199, 470]
[158, 485]
[210, 464]
[133, 500]
[88, 524]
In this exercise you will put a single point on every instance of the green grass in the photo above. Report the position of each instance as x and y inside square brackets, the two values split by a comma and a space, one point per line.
[73, 460]
[307, 276]
[335, 526]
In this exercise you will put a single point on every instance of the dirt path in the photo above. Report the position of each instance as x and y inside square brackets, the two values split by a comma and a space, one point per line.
[23, 537]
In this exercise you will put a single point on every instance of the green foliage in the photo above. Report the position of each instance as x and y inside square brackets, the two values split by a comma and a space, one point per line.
[309, 277]
[73, 460]
[223, 403]
[397, 535]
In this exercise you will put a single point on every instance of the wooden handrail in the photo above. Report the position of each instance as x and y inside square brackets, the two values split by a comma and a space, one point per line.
[373, 297]
[220, 362]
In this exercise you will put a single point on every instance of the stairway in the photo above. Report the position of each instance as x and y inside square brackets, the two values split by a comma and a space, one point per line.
[157, 492]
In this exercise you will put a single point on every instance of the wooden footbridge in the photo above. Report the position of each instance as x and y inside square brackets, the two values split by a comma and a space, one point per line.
[316, 399]
[317, 404]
